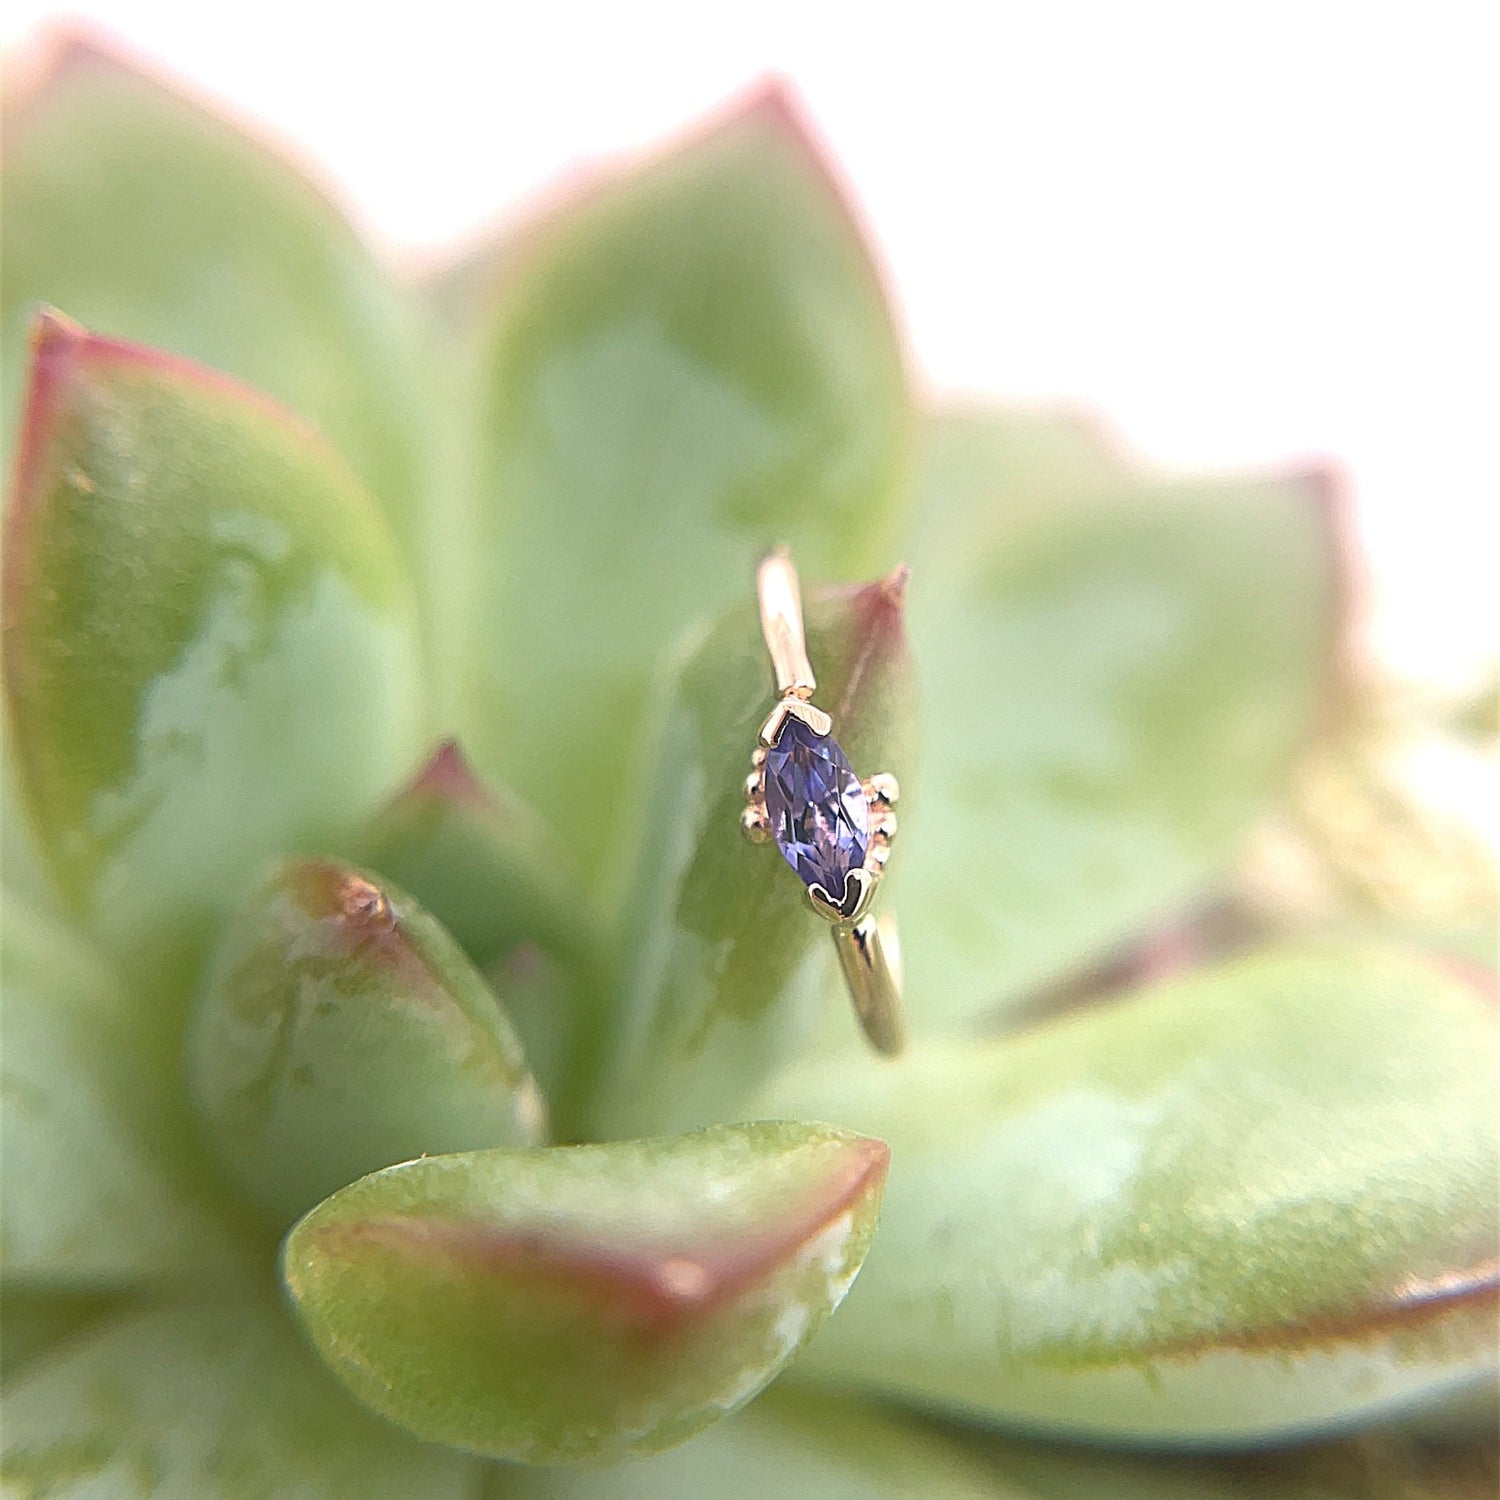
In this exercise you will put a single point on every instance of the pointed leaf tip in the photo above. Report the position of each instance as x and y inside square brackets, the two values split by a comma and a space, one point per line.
[449, 776]
[188, 570]
[894, 584]
[340, 1030]
[132, 202]
[499, 880]
[640, 1289]
[673, 325]
[723, 982]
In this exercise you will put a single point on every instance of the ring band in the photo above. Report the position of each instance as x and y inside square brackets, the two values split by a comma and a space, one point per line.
[833, 829]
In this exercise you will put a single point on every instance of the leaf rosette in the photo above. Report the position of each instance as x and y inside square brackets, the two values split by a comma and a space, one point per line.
[379, 681]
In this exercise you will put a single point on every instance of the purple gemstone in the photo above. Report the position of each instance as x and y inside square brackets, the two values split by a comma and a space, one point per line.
[817, 807]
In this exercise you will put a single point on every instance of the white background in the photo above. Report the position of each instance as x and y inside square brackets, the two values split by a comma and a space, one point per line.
[1243, 232]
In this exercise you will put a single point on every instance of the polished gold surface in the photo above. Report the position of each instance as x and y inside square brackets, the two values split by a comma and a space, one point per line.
[794, 708]
[781, 623]
[869, 955]
[868, 952]
[859, 891]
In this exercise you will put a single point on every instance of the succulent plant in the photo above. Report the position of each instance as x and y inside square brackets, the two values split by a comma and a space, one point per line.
[412, 1083]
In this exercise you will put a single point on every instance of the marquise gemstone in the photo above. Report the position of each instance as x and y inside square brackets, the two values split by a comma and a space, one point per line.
[816, 806]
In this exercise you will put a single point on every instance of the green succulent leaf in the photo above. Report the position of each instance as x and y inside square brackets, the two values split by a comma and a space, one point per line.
[31, 1322]
[499, 880]
[151, 219]
[1117, 676]
[485, 865]
[790, 1445]
[980, 471]
[100, 1183]
[1375, 1466]
[209, 644]
[23, 868]
[341, 1029]
[211, 1401]
[682, 367]
[638, 1290]
[1254, 1203]
[726, 971]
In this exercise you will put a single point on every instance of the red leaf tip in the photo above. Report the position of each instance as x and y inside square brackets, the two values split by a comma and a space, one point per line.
[880, 606]
[893, 585]
[52, 330]
[775, 99]
[449, 777]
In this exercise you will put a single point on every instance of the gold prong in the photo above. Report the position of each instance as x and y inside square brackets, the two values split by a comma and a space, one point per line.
[794, 708]
[859, 890]
[883, 788]
[754, 824]
[754, 786]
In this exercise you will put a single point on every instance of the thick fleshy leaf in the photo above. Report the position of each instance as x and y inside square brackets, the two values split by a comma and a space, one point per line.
[100, 1180]
[684, 366]
[151, 219]
[585, 1302]
[500, 881]
[1378, 1466]
[341, 1029]
[1117, 677]
[726, 970]
[209, 644]
[1255, 1203]
[790, 1445]
[22, 865]
[485, 865]
[798, 1444]
[212, 1401]
[982, 470]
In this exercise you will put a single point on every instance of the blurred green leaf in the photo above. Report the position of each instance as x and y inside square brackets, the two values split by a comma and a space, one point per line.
[790, 1445]
[726, 971]
[22, 865]
[980, 471]
[31, 1322]
[1254, 1203]
[1376, 1466]
[498, 879]
[151, 219]
[1116, 681]
[341, 1029]
[485, 865]
[585, 1302]
[210, 653]
[685, 365]
[207, 1402]
[798, 1444]
[99, 1176]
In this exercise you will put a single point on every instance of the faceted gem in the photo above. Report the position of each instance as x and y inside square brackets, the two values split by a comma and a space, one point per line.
[816, 806]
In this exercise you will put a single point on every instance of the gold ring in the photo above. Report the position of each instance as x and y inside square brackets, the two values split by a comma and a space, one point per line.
[833, 829]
